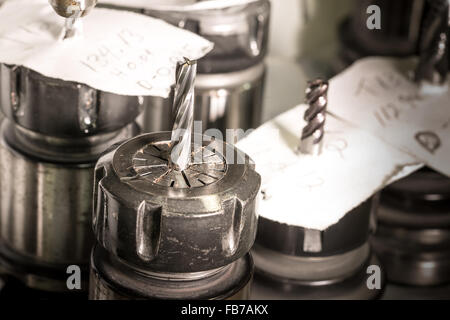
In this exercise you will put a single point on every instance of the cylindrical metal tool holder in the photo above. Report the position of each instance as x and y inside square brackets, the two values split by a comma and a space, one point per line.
[52, 136]
[413, 235]
[168, 234]
[297, 263]
[230, 83]
[398, 36]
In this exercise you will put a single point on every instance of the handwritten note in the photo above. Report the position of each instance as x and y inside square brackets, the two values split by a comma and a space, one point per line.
[120, 52]
[316, 192]
[377, 95]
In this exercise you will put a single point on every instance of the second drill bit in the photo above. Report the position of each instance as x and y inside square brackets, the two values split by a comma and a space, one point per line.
[72, 10]
[183, 107]
[315, 116]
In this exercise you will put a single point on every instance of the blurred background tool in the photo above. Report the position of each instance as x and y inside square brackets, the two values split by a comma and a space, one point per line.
[52, 136]
[168, 234]
[315, 116]
[434, 44]
[72, 10]
[294, 263]
[399, 34]
[183, 106]
[412, 237]
[229, 86]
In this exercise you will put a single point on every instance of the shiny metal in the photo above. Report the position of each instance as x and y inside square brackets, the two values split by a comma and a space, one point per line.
[152, 163]
[413, 237]
[46, 207]
[222, 101]
[230, 84]
[52, 135]
[434, 41]
[183, 110]
[353, 287]
[61, 109]
[66, 8]
[72, 10]
[289, 264]
[240, 33]
[310, 270]
[146, 213]
[315, 116]
[111, 280]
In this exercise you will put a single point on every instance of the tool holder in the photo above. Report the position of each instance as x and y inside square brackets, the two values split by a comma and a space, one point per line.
[413, 235]
[179, 229]
[52, 136]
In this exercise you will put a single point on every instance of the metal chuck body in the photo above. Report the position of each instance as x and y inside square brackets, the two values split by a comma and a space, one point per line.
[413, 234]
[168, 234]
[295, 263]
[52, 135]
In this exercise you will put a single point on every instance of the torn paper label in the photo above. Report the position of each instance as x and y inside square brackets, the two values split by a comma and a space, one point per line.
[316, 192]
[183, 5]
[377, 95]
[120, 52]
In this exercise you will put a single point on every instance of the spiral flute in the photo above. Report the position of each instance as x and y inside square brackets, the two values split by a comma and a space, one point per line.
[315, 116]
[183, 107]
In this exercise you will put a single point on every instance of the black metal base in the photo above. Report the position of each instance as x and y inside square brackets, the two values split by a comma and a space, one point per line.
[115, 280]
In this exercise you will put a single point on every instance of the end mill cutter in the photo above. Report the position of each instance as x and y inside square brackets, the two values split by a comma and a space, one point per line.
[169, 234]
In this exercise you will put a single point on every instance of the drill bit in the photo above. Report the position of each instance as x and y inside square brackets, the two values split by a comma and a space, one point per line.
[315, 115]
[72, 10]
[183, 107]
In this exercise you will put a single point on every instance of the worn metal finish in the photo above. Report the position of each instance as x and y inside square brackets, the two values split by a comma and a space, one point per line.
[112, 280]
[148, 224]
[176, 227]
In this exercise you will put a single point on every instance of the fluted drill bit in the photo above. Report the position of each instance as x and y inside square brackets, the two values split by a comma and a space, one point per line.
[183, 107]
[315, 116]
[72, 10]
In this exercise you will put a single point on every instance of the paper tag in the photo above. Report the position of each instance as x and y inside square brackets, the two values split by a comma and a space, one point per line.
[121, 52]
[186, 5]
[376, 94]
[316, 192]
